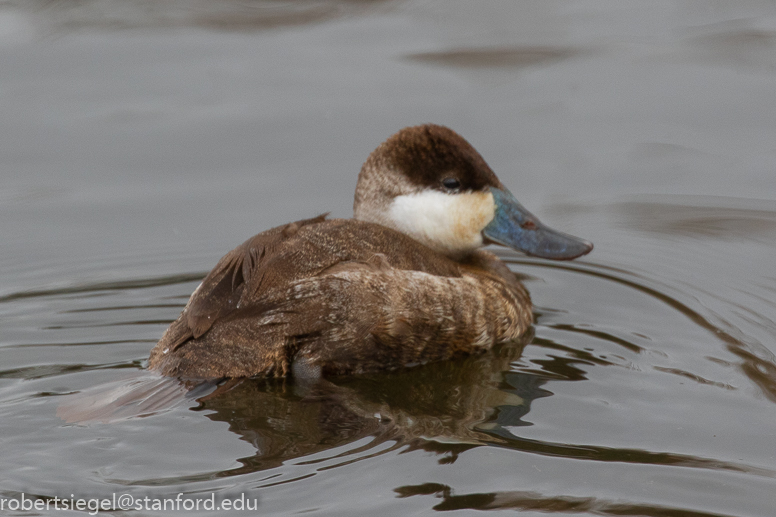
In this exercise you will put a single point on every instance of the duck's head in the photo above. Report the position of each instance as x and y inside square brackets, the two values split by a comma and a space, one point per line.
[431, 184]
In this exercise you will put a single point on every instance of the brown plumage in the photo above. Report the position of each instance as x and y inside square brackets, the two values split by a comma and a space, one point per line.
[329, 297]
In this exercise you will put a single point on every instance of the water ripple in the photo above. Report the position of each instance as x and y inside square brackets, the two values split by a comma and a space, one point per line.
[758, 362]
[534, 501]
[116, 285]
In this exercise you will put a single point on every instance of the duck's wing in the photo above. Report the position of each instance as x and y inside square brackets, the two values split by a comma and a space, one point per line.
[253, 279]
[273, 259]
[221, 291]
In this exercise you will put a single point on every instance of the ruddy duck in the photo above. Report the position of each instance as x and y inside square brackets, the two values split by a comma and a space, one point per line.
[402, 283]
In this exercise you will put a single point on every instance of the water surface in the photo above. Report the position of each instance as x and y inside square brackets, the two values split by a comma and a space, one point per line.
[140, 142]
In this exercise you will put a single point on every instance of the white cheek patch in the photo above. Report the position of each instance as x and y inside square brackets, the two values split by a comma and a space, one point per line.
[449, 223]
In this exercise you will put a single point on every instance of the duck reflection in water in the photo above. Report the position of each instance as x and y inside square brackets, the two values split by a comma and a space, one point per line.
[444, 407]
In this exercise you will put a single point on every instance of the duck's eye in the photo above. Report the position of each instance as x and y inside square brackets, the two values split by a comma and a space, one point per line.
[451, 183]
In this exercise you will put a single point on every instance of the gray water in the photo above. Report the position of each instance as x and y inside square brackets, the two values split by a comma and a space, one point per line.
[140, 141]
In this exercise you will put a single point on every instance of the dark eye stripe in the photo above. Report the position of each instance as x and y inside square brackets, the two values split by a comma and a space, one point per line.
[451, 183]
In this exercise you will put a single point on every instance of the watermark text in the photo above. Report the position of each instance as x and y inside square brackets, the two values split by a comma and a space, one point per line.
[94, 505]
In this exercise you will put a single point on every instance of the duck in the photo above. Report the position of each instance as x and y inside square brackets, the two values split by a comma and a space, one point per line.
[403, 283]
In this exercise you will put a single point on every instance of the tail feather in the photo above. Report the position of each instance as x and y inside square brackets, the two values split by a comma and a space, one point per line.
[138, 397]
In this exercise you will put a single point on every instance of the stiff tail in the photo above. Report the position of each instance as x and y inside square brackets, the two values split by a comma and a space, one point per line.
[144, 395]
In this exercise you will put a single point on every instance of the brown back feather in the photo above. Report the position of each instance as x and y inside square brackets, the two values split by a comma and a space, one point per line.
[272, 260]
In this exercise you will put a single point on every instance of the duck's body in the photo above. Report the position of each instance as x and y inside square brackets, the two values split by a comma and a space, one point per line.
[336, 297]
[402, 284]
